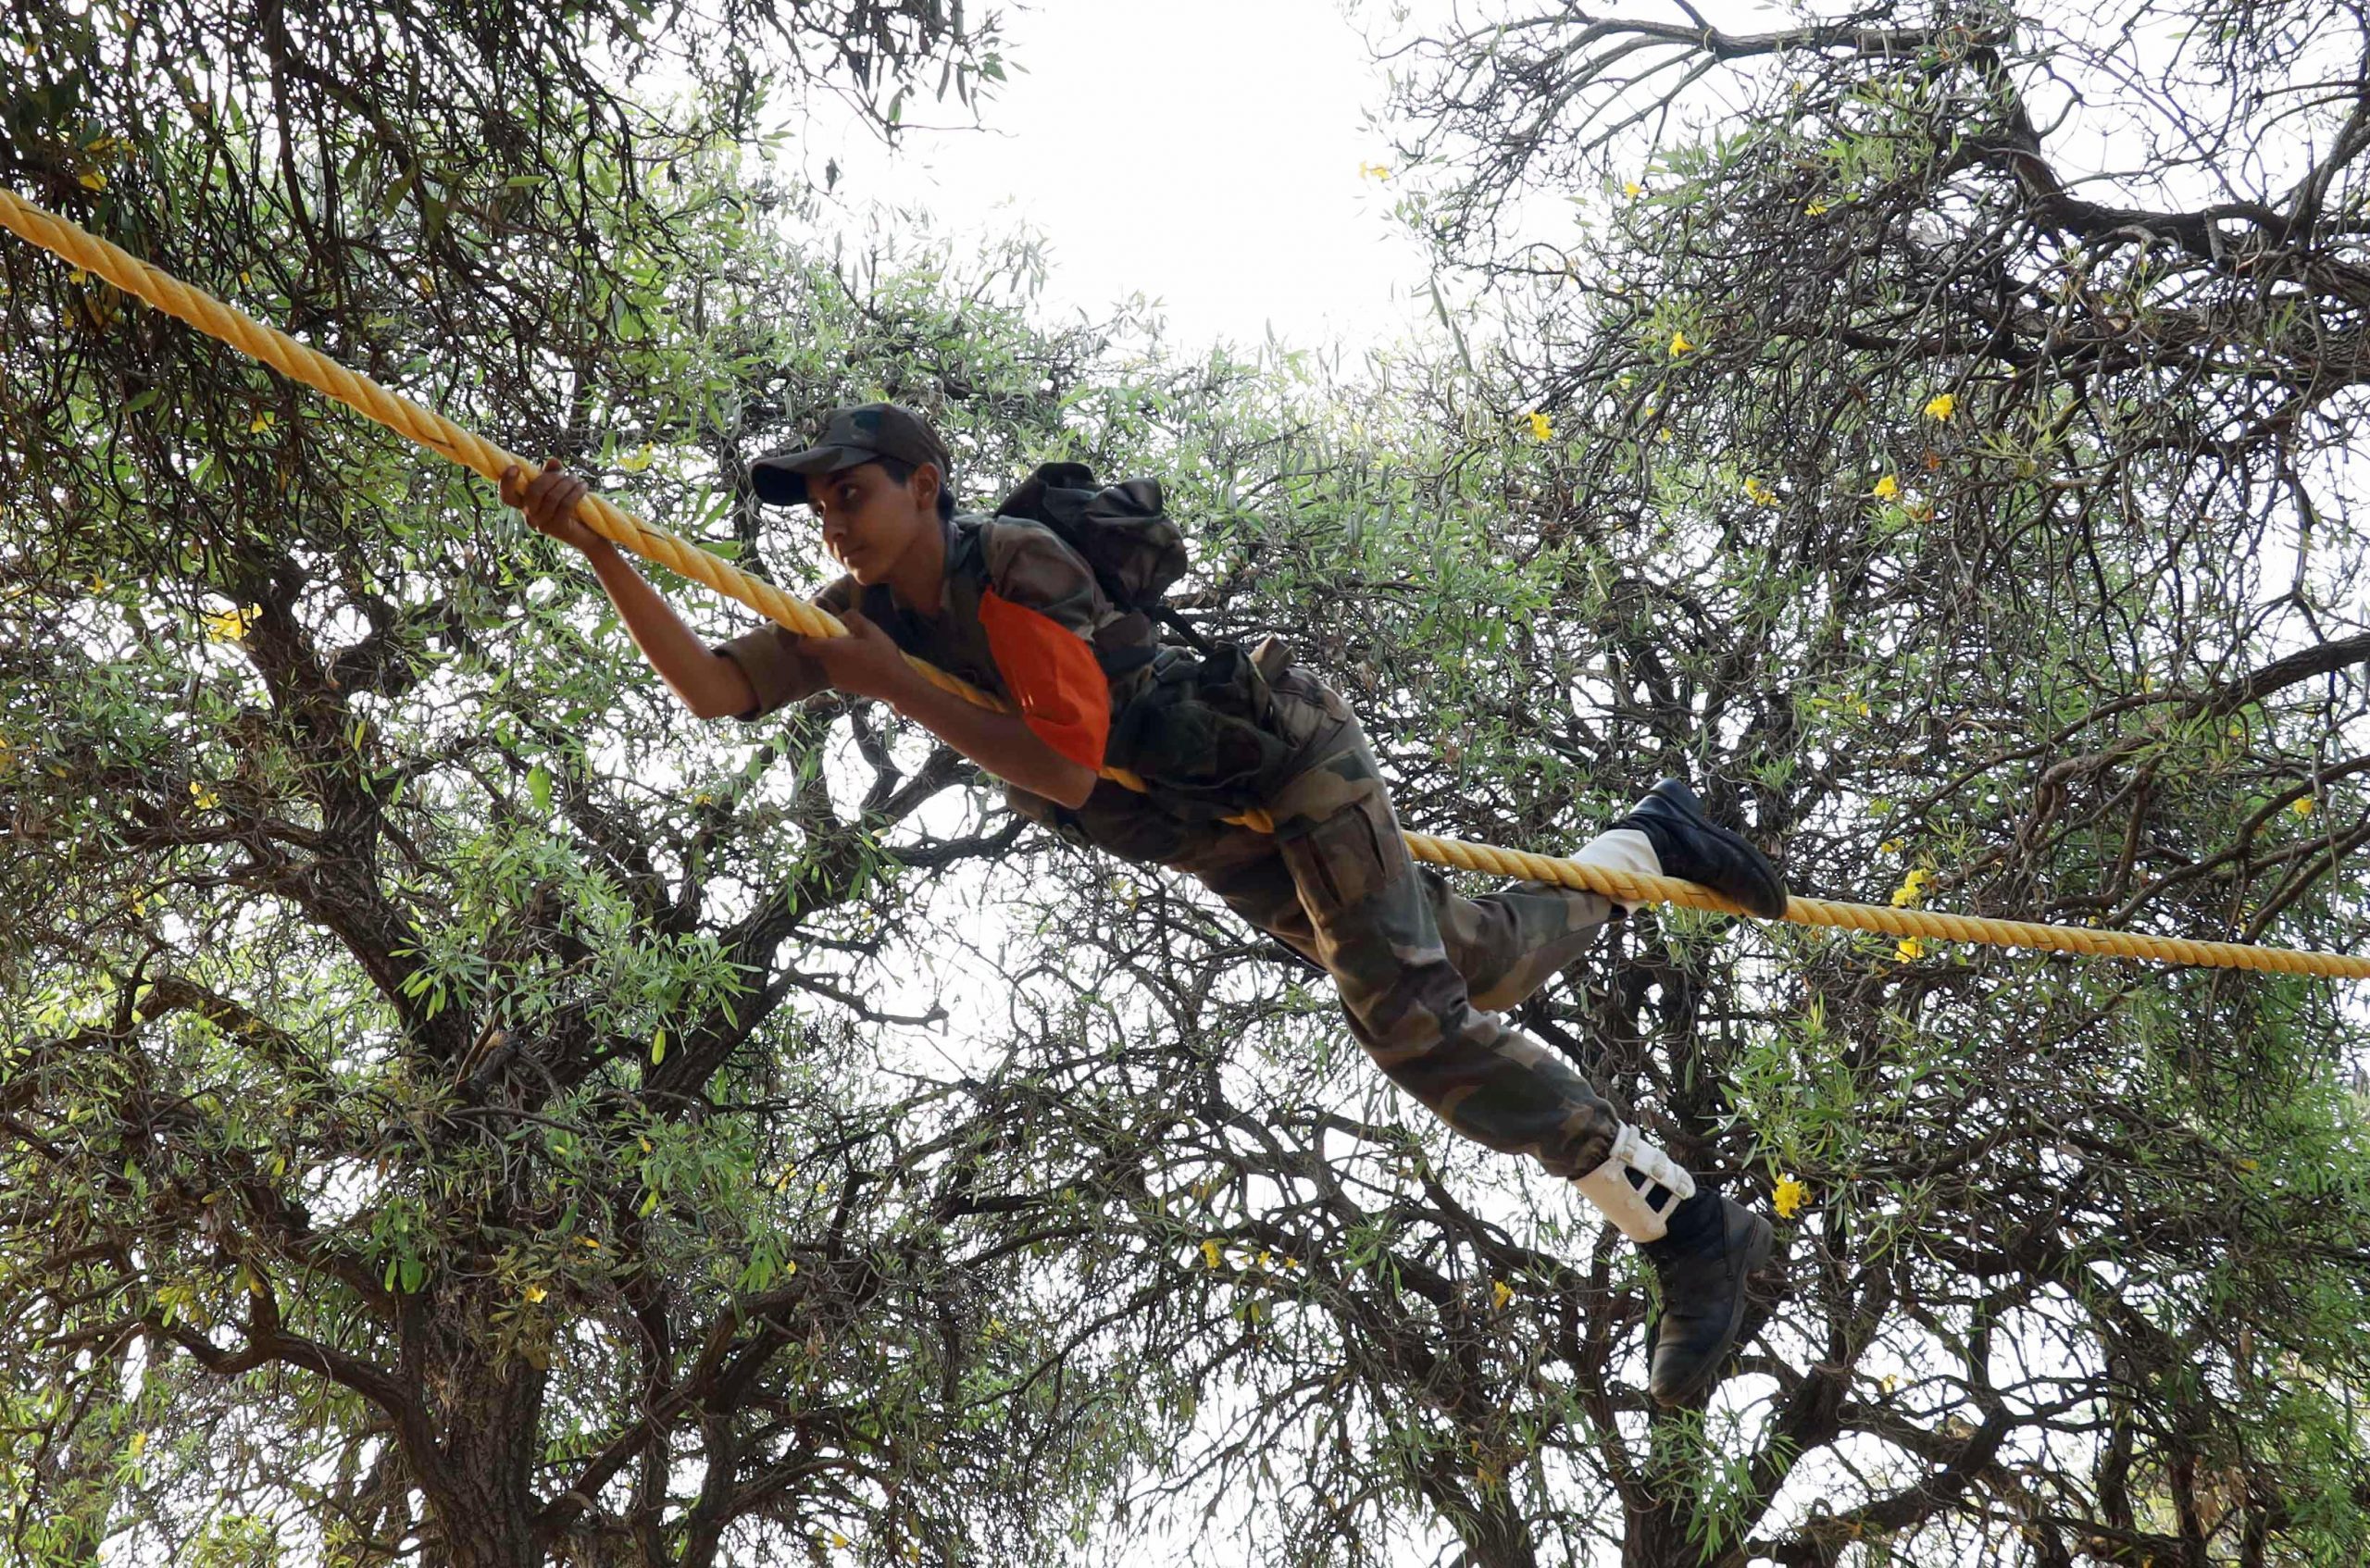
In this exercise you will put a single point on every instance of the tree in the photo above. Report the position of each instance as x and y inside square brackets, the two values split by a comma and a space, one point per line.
[399, 1078]
[457, 1108]
[1989, 516]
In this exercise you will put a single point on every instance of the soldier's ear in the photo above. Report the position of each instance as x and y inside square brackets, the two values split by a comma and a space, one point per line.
[927, 483]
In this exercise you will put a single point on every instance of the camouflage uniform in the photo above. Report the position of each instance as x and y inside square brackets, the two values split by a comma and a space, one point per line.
[1420, 970]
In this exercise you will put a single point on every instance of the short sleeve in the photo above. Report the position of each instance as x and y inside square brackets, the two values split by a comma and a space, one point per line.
[1040, 610]
[778, 674]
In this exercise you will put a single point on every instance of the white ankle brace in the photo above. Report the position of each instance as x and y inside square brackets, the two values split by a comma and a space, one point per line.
[1637, 1187]
[1622, 849]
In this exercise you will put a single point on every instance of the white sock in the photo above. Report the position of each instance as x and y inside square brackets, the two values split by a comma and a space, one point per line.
[1622, 849]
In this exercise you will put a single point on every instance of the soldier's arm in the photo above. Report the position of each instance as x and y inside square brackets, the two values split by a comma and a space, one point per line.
[706, 681]
[1003, 743]
[869, 665]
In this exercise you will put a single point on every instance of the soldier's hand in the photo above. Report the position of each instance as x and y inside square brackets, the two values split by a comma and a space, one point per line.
[549, 499]
[864, 662]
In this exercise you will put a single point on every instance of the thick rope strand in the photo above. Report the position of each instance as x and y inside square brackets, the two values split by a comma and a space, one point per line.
[1927, 924]
[442, 436]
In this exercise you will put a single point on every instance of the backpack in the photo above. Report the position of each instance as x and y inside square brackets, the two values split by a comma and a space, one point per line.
[1120, 530]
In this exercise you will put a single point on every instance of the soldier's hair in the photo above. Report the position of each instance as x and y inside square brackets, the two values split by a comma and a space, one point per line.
[899, 471]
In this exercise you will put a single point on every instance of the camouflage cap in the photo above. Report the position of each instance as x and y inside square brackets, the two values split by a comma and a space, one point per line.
[864, 433]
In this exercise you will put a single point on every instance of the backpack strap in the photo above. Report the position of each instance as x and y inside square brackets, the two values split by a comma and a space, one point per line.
[966, 581]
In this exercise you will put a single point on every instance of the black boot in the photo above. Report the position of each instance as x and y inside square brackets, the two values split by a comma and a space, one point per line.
[1700, 1264]
[1691, 846]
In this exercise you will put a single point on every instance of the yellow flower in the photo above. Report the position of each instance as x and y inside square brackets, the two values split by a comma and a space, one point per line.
[535, 1293]
[1758, 493]
[839, 1540]
[93, 179]
[1211, 1253]
[139, 1444]
[232, 626]
[590, 1243]
[1500, 1293]
[1908, 950]
[1913, 887]
[1373, 171]
[1633, 189]
[1887, 1383]
[78, 276]
[1890, 846]
[1787, 1197]
[206, 799]
[1816, 209]
[1541, 426]
[1941, 406]
[1679, 344]
[262, 422]
[635, 463]
[1887, 488]
[2302, 805]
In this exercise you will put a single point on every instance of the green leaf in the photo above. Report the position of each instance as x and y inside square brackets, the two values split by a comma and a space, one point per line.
[539, 787]
[398, 191]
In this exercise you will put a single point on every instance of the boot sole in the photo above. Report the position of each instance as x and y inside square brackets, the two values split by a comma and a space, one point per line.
[1756, 1258]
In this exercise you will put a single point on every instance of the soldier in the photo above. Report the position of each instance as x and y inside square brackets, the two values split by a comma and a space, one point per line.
[1004, 603]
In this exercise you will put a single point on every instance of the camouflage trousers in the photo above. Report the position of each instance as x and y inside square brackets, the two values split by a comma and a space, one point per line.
[1421, 971]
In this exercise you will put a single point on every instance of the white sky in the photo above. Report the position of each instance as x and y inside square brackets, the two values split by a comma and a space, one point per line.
[1205, 155]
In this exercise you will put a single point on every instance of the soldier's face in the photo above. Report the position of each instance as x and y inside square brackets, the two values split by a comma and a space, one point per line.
[869, 520]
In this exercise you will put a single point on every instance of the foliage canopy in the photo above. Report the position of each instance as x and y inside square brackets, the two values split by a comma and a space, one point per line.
[454, 1108]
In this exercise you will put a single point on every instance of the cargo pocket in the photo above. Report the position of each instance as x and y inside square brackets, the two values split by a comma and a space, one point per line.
[1340, 864]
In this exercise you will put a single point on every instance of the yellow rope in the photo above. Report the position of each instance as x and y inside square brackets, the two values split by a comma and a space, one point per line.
[439, 434]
